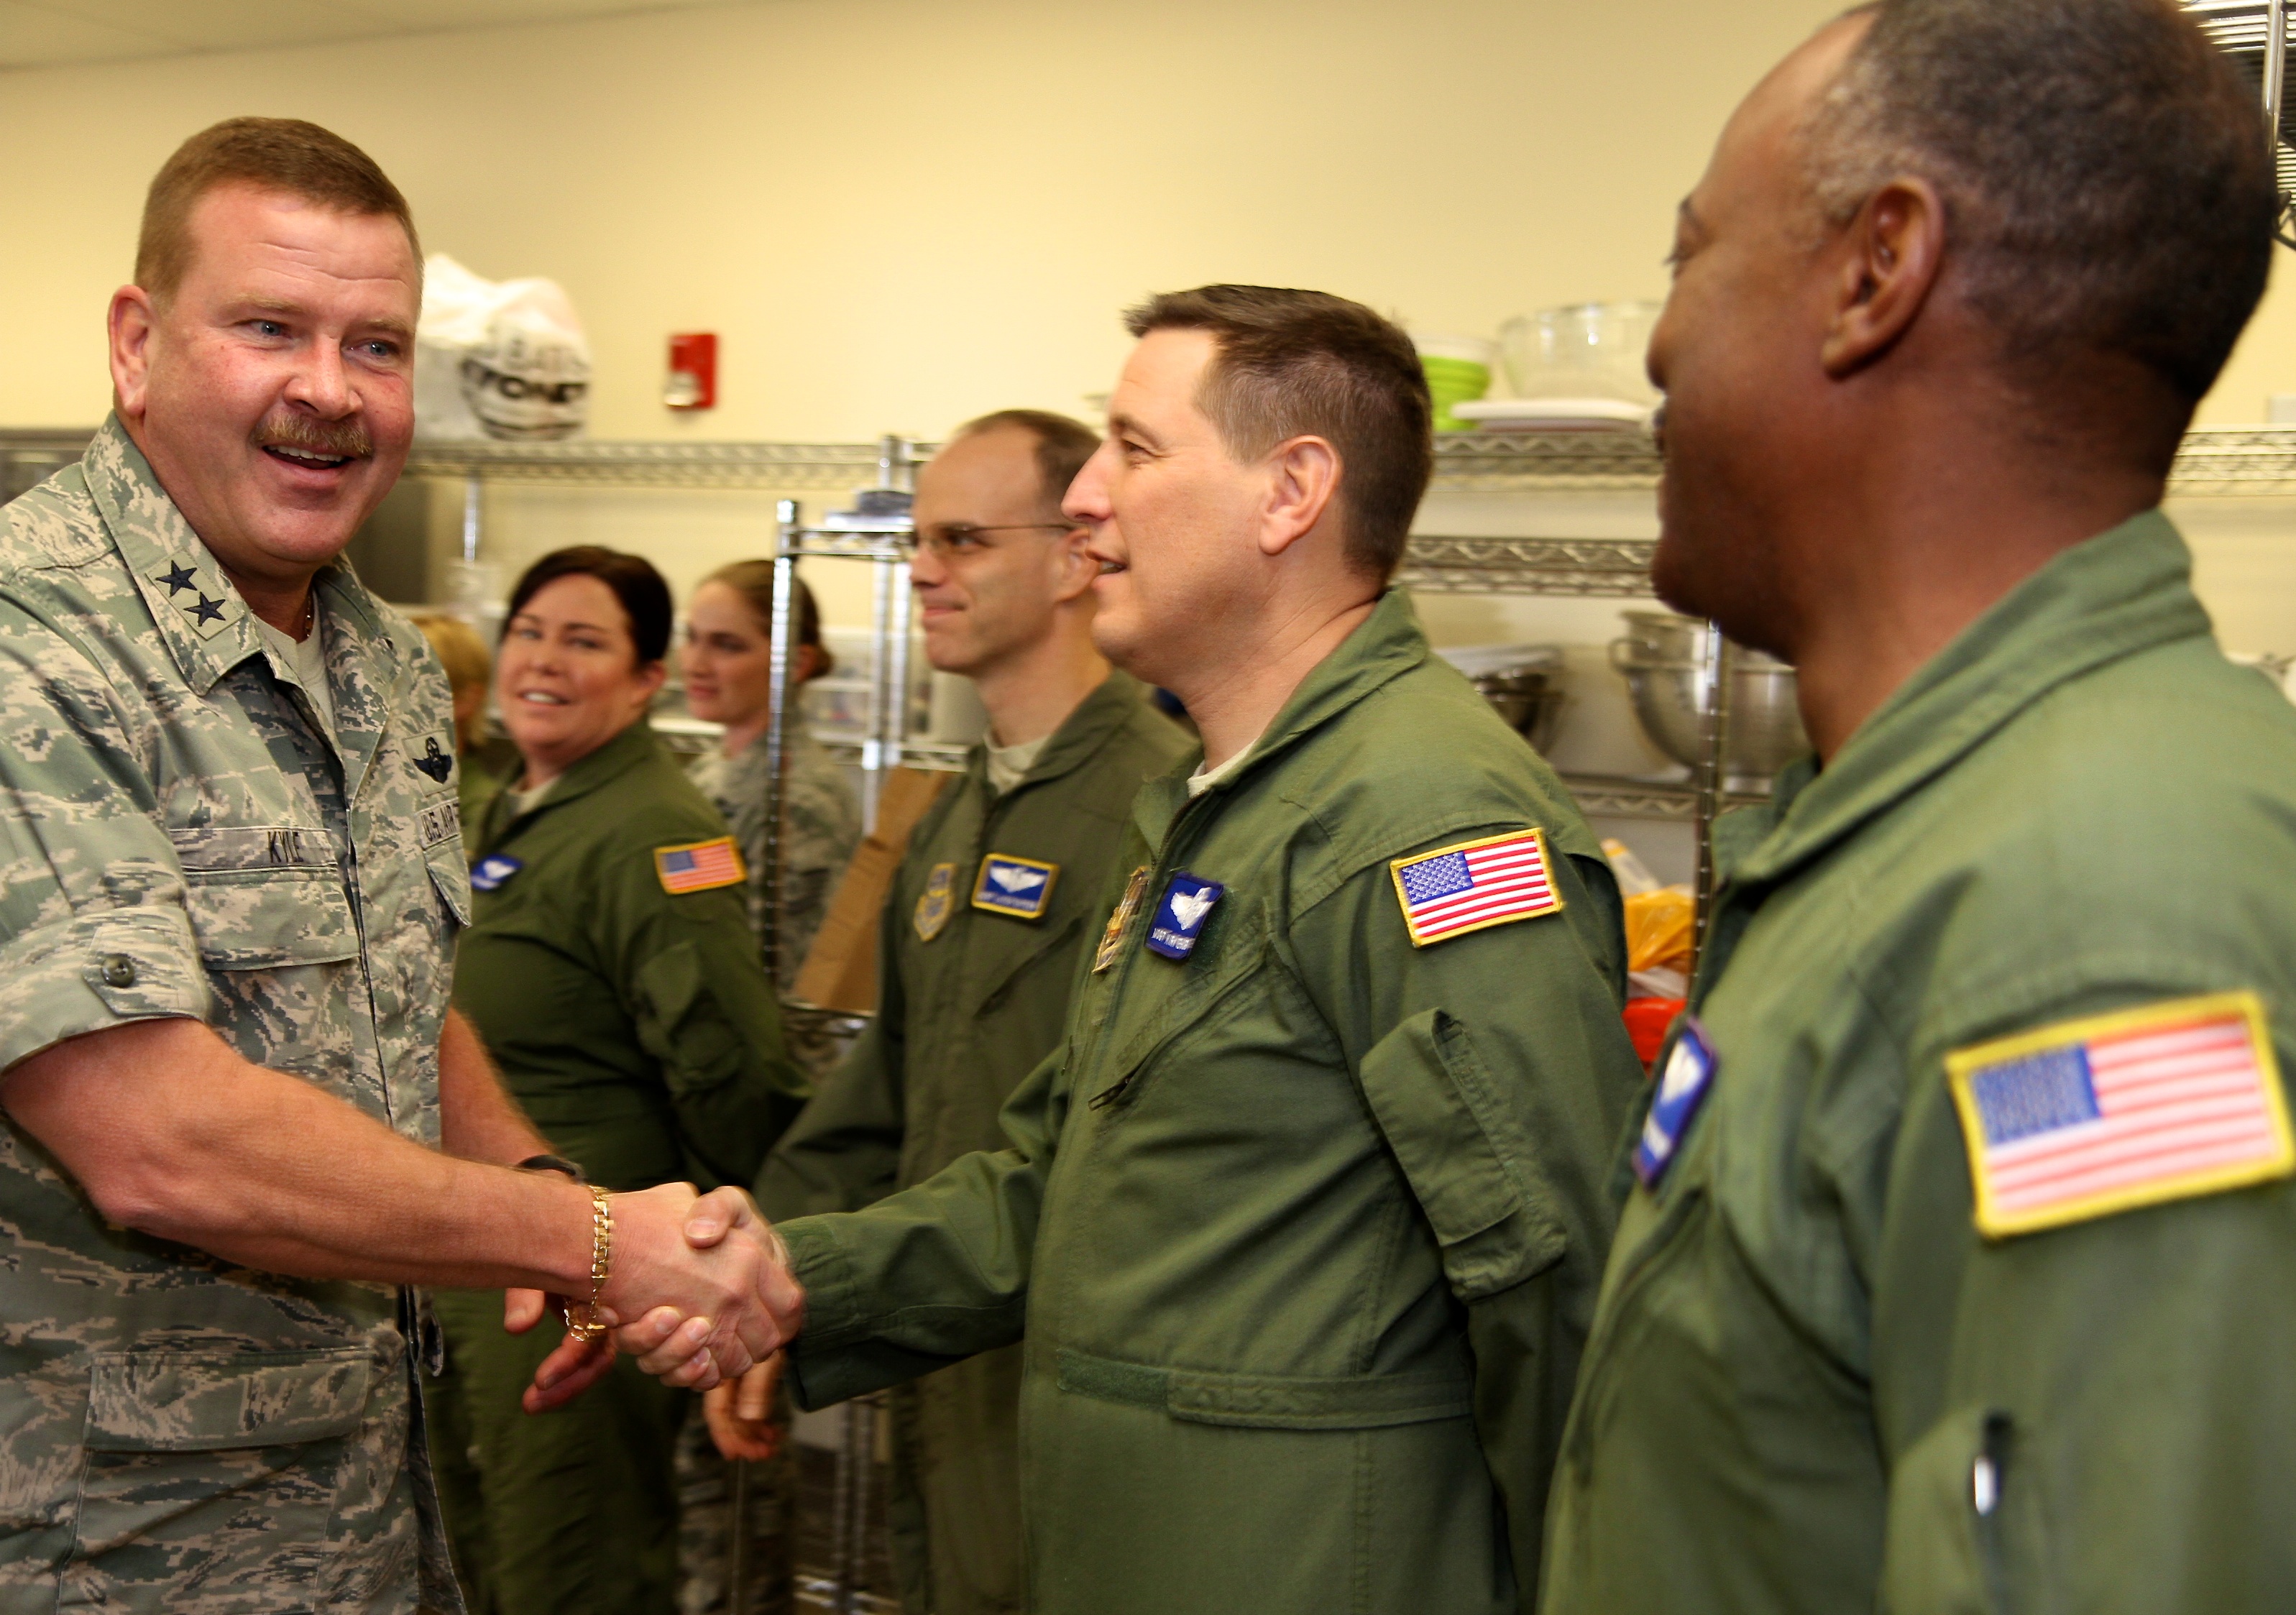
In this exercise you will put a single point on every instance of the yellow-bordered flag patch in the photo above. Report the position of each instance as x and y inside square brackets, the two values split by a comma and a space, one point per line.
[700, 866]
[1491, 881]
[2116, 1112]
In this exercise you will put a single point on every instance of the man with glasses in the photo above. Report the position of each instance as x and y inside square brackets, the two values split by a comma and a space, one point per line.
[981, 935]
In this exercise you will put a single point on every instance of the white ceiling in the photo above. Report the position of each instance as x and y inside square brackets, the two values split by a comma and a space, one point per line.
[54, 33]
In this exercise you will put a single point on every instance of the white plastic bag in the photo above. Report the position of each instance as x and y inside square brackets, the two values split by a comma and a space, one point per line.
[498, 358]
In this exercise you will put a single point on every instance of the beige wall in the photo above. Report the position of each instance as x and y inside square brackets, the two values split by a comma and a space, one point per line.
[897, 213]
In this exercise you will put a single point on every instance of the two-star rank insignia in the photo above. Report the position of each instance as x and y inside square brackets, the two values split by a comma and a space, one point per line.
[207, 611]
[934, 906]
[434, 762]
[1021, 888]
[177, 577]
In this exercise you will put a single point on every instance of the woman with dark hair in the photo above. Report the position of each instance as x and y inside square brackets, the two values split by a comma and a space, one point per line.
[611, 970]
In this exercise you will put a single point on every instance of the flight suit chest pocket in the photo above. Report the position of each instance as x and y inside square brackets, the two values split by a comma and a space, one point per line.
[1467, 1157]
[265, 897]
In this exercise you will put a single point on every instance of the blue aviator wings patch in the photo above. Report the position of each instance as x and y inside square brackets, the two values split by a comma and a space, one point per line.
[1021, 888]
[1180, 915]
[1682, 1087]
[490, 871]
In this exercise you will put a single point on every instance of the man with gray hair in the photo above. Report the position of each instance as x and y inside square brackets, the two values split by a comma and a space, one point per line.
[1954, 1273]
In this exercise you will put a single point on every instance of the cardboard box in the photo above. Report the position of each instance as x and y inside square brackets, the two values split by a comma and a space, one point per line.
[841, 972]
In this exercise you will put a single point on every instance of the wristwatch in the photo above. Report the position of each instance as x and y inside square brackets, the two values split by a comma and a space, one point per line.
[552, 1163]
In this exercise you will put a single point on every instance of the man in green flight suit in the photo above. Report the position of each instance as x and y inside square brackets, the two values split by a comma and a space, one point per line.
[1303, 1218]
[1955, 1270]
[997, 897]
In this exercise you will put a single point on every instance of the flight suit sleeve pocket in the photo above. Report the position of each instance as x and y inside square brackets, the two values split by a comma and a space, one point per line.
[1951, 1496]
[198, 1401]
[1438, 1109]
[680, 1024]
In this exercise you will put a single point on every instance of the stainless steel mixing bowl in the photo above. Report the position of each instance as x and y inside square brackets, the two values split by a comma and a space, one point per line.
[1664, 657]
[1529, 699]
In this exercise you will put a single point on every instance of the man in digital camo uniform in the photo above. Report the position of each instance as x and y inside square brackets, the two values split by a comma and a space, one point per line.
[981, 937]
[231, 883]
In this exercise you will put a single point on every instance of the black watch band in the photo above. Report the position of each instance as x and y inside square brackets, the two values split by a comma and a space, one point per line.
[552, 1163]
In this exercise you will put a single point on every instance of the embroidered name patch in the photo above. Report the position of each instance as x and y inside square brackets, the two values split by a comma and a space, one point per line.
[1021, 888]
[1682, 1088]
[698, 866]
[491, 870]
[2116, 1112]
[1455, 890]
[935, 902]
[1180, 915]
[439, 822]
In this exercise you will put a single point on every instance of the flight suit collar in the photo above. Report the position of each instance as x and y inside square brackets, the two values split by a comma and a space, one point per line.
[208, 627]
[633, 748]
[2123, 591]
[1097, 718]
[1384, 647]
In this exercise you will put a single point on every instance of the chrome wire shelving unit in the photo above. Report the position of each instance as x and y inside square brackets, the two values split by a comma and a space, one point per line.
[2227, 460]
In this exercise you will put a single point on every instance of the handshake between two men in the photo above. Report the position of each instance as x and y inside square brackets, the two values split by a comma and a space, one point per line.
[697, 1290]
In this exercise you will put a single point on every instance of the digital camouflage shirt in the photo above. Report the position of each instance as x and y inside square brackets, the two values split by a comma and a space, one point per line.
[184, 838]
[821, 825]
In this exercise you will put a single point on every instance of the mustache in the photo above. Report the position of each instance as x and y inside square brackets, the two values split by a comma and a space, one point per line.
[348, 438]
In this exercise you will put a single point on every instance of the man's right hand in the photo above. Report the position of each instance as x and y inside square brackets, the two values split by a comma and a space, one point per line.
[703, 1283]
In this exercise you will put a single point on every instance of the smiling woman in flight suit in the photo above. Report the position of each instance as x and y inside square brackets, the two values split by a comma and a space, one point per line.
[611, 972]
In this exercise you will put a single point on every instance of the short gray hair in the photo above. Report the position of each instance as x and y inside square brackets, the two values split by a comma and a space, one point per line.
[2103, 168]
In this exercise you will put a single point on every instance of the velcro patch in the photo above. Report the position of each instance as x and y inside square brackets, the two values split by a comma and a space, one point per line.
[1021, 888]
[1491, 881]
[700, 866]
[2112, 1113]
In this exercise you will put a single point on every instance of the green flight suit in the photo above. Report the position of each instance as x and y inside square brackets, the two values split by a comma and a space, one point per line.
[636, 1028]
[970, 999]
[1305, 1228]
[1813, 1385]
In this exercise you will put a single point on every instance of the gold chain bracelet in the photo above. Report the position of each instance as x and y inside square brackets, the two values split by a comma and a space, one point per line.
[582, 1320]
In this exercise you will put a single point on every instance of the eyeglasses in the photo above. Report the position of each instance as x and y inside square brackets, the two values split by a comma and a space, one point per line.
[952, 539]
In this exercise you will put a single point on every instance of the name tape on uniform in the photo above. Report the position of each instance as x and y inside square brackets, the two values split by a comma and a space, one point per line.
[1495, 881]
[2116, 1112]
[491, 870]
[438, 821]
[935, 903]
[1180, 915]
[1021, 888]
[1683, 1085]
[698, 866]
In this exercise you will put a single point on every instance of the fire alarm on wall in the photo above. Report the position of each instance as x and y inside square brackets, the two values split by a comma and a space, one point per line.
[693, 380]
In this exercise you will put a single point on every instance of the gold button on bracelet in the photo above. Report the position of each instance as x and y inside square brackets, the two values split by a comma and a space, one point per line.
[582, 1320]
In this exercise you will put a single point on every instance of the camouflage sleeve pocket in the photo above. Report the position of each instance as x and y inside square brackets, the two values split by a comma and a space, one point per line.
[203, 1401]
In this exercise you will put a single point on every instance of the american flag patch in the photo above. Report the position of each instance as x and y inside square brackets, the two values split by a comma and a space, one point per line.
[700, 866]
[2103, 1115]
[1456, 889]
